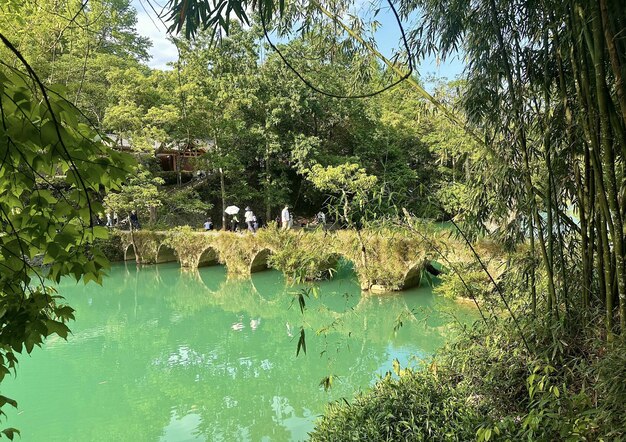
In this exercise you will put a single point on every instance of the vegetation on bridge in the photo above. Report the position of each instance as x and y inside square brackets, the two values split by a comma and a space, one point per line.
[396, 257]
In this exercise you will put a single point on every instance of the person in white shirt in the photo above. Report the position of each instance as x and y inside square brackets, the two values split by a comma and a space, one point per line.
[285, 217]
[249, 218]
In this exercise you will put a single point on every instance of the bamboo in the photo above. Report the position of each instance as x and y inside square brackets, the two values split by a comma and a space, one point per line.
[608, 158]
[521, 134]
[609, 37]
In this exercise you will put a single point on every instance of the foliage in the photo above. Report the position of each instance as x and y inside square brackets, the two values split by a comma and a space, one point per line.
[42, 141]
[182, 207]
[110, 247]
[475, 283]
[75, 44]
[301, 256]
[259, 129]
[140, 193]
[348, 183]
[416, 406]
[485, 386]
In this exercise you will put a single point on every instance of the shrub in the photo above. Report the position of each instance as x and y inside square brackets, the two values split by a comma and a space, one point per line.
[416, 406]
[487, 386]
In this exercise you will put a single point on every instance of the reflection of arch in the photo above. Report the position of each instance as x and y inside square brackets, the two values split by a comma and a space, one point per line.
[132, 256]
[165, 254]
[270, 286]
[259, 261]
[212, 278]
[209, 257]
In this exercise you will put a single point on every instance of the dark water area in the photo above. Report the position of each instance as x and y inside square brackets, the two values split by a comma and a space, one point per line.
[160, 354]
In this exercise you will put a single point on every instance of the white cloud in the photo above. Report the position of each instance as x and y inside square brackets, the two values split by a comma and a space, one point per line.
[149, 25]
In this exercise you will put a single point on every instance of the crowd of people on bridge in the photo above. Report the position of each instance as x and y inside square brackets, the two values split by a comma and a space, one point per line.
[112, 220]
[252, 222]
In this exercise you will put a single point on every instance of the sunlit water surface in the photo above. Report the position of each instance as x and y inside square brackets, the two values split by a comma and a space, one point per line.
[159, 354]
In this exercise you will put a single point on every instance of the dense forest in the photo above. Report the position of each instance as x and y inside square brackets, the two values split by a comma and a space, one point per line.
[230, 126]
[526, 150]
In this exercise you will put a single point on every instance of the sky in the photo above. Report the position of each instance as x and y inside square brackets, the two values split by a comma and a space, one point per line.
[163, 51]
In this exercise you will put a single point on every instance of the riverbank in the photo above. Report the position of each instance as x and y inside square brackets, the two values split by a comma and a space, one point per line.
[487, 386]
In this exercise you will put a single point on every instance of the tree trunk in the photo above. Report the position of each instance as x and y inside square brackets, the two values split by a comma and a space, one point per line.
[268, 183]
[521, 136]
[223, 197]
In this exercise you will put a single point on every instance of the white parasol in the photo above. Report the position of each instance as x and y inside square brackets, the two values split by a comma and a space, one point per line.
[232, 210]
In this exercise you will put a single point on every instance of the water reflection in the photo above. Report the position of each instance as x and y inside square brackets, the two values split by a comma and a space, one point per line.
[160, 354]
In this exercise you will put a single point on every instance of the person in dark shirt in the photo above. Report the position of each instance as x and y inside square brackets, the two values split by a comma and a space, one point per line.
[134, 220]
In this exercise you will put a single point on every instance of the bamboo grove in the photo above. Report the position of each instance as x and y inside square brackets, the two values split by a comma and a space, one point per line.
[546, 87]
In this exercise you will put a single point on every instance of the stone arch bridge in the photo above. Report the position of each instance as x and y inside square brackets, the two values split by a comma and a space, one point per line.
[383, 260]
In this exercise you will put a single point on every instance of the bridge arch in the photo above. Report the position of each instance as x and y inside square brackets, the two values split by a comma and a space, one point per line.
[165, 253]
[413, 276]
[209, 256]
[259, 261]
[130, 253]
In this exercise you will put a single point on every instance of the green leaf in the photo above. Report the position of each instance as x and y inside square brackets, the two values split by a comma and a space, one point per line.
[301, 342]
[100, 232]
[10, 432]
[5, 400]
[327, 382]
[396, 367]
[487, 434]
[57, 328]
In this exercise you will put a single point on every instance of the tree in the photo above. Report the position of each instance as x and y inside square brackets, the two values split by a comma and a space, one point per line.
[349, 184]
[221, 78]
[140, 192]
[75, 43]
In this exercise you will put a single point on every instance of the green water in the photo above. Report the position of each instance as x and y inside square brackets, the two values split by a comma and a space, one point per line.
[158, 354]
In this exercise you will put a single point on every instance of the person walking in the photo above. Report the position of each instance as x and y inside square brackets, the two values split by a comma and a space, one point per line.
[285, 217]
[134, 220]
[234, 224]
[250, 219]
[208, 225]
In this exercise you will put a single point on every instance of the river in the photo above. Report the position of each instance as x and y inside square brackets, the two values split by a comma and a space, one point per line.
[160, 354]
